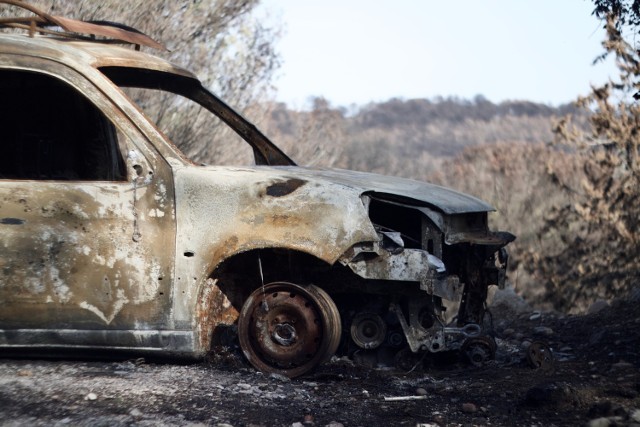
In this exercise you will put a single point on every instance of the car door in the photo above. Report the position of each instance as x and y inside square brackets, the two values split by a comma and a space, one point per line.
[87, 232]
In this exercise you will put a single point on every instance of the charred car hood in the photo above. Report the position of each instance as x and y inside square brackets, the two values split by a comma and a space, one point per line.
[386, 187]
[444, 199]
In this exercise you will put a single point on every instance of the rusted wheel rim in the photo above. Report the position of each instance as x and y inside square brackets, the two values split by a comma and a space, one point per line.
[334, 322]
[288, 329]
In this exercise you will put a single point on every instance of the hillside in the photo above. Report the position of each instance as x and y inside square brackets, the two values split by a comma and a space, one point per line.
[406, 137]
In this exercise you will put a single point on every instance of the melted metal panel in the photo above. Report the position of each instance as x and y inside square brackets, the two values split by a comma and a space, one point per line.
[413, 265]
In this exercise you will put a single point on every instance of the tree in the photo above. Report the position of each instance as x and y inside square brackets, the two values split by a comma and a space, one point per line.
[600, 254]
[222, 41]
[624, 12]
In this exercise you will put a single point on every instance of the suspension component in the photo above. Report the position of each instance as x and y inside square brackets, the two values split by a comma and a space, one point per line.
[368, 330]
[479, 350]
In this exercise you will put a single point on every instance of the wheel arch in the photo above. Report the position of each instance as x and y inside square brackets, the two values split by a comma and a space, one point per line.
[231, 282]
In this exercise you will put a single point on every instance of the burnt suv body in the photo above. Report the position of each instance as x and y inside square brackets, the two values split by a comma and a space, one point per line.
[110, 239]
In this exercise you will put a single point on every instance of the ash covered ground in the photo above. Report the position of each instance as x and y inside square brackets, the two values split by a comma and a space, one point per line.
[594, 381]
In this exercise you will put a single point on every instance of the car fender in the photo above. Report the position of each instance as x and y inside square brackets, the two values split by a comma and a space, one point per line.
[223, 211]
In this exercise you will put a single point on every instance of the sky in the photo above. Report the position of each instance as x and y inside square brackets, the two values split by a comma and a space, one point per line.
[357, 51]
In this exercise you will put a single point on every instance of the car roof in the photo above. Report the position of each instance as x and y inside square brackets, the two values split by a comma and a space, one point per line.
[79, 43]
[78, 54]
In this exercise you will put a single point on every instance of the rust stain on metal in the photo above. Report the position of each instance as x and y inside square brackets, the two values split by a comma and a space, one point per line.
[104, 29]
[289, 329]
[107, 30]
[214, 310]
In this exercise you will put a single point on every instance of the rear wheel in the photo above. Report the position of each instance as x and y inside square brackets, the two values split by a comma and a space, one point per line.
[289, 329]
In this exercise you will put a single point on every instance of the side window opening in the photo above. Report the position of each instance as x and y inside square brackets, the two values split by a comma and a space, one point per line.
[52, 132]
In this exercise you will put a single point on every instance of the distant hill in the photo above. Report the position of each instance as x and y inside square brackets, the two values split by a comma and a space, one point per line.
[406, 137]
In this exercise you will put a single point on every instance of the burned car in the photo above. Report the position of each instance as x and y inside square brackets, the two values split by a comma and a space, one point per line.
[112, 241]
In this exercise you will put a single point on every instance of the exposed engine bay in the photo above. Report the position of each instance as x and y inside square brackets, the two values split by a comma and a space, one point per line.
[421, 288]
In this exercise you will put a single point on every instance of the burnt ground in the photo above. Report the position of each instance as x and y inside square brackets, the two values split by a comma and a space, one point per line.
[595, 381]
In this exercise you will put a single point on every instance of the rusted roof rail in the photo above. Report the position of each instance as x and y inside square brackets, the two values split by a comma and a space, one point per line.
[71, 28]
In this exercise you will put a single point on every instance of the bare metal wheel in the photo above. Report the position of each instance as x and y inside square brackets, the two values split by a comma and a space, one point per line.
[288, 329]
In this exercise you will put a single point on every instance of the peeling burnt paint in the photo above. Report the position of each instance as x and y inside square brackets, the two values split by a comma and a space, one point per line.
[71, 255]
[283, 188]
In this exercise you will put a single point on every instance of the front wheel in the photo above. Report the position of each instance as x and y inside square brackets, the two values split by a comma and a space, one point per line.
[289, 329]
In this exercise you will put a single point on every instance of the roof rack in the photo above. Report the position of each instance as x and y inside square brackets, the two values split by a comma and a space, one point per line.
[74, 29]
